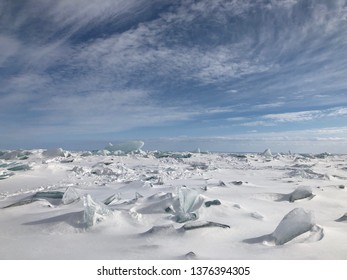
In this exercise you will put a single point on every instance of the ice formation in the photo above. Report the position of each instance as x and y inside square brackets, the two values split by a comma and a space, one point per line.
[17, 154]
[157, 203]
[18, 167]
[267, 153]
[202, 224]
[7, 169]
[164, 229]
[94, 212]
[343, 218]
[49, 195]
[307, 174]
[295, 223]
[126, 147]
[212, 202]
[5, 174]
[300, 193]
[70, 196]
[55, 152]
[188, 204]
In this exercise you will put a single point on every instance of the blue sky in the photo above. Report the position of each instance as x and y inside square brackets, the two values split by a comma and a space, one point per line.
[237, 75]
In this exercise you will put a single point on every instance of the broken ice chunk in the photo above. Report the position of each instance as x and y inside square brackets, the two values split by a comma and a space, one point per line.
[4, 174]
[18, 167]
[221, 184]
[295, 223]
[164, 229]
[70, 196]
[94, 212]
[257, 216]
[343, 218]
[189, 201]
[267, 153]
[55, 152]
[202, 224]
[111, 198]
[237, 183]
[300, 193]
[212, 202]
[49, 194]
[190, 256]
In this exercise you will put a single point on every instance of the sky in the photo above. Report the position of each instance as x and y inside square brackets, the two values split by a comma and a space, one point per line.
[236, 75]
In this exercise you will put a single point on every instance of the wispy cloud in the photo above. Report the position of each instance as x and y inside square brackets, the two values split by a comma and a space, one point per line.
[294, 116]
[102, 67]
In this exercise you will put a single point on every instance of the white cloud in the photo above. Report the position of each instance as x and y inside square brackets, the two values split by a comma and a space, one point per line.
[268, 105]
[8, 48]
[294, 116]
[257, 123]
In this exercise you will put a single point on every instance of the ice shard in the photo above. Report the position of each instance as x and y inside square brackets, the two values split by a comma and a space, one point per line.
[18, 167]
[70, 196]
[110, 199]
[343, 218]
[267, 153]
[94, 212]
[295, 223]
[55, 152]
[202, 224]
[188, 204]
[48, 195]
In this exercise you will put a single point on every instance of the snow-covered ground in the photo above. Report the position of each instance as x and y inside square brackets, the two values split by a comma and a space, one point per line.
[57, 204]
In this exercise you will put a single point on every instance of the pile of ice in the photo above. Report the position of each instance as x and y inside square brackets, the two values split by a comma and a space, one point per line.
[17, 154]
[306, 174]
[125, 148]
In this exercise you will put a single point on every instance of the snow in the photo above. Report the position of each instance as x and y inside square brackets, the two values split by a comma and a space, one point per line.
[155, 205]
